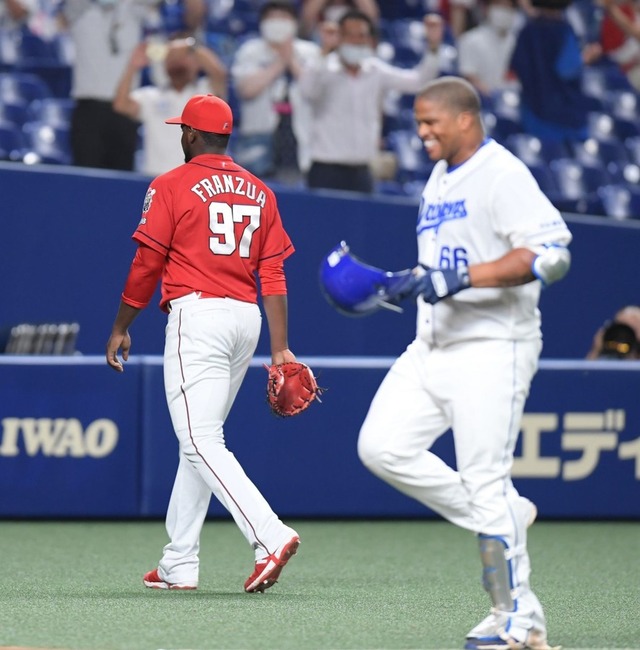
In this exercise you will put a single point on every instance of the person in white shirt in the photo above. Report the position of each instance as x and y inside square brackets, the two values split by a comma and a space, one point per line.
[104, 33]
[345, 90]
[14, 13]
[484, 52]
[264, 76]
[183, 60]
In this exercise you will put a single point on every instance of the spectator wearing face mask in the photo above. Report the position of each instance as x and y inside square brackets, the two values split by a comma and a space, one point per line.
[345, 90]
[274, 120]
[484, 52]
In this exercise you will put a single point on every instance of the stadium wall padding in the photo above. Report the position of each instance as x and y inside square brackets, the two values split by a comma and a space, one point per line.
[67, 248]
[79, 440]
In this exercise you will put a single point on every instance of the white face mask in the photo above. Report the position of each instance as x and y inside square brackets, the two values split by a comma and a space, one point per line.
[354, 54]
[277, 30]
[501, 18]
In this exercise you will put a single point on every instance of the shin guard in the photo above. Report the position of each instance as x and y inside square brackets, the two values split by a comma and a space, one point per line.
[497, 576]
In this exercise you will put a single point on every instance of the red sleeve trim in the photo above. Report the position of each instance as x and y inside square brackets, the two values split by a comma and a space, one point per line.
[144, 274]
[144, 239]
[272, 279]
[289, 250]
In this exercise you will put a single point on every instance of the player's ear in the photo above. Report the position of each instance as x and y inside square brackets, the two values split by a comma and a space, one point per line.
[465, 121]
[192, 134]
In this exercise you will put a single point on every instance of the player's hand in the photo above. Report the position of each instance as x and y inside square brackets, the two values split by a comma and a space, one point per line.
[118, 342]
[282, 356]
[435, 284]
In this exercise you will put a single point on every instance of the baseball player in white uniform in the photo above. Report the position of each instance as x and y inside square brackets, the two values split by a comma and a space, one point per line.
[488, 241]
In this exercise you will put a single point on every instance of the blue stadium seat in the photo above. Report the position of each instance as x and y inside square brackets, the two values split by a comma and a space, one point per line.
[503, 120]
[389, 188]
[544, 178]
[594, 83]
[632, 145]
[54, 111]
[223, 44]
[33, 47]
[577, 186]
[620, 201]
[22, 86]
[622, 103]
[56, 76]
[47, 144]
[600, 125]
[413, 161]
[506, 103]
[500, 127]
[626, 128]
[601, 153]
[14, 111]
[400, 120]
[11, 142]
[615, 78]
[533, 150]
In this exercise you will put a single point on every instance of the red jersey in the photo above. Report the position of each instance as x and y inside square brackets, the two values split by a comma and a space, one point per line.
[613, 37]
[217, 224]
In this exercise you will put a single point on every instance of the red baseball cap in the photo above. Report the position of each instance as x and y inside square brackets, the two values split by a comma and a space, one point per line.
[206, 113]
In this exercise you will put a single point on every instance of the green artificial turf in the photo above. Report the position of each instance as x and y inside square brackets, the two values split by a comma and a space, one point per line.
[373, 585]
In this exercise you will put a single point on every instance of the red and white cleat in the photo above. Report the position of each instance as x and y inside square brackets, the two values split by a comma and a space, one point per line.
[268, 571]
[154, 581]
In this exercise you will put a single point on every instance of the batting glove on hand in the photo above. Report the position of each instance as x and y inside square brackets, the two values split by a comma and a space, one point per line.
[435, 284]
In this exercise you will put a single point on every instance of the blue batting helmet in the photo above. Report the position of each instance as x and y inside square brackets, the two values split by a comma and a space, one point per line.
[358, 289]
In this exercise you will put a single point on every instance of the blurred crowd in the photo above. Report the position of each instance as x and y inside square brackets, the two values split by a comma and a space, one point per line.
[321, 90]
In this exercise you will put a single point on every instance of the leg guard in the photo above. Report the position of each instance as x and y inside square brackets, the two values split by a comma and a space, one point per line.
[516, 621]
[497, 577]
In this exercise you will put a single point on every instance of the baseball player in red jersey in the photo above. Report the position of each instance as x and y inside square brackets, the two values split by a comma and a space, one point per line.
[207, 227]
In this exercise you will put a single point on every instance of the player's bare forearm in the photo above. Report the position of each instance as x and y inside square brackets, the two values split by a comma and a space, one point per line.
[275, 308]
[510, 270]
[120, 339]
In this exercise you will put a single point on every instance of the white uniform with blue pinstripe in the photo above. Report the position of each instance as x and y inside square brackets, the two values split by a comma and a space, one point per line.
[472, 362]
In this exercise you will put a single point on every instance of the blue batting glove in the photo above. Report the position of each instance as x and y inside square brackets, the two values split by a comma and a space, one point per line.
[435, 284]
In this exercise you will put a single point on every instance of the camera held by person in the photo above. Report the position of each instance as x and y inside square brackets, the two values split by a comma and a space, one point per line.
[619, 342]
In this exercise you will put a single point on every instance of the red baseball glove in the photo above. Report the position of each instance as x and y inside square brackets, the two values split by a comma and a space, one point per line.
[291, 387]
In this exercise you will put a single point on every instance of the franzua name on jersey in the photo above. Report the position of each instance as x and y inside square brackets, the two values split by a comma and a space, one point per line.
[225, 183]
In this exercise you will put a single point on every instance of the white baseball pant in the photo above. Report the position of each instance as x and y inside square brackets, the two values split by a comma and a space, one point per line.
[478, 388]
[208, 347]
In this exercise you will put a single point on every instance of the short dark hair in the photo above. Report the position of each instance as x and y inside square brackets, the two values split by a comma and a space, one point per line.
[279, 5]
[215, 140]
[356, 14]
[457, 93]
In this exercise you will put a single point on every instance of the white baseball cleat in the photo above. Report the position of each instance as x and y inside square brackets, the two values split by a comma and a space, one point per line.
[268, 571]
[535, 641]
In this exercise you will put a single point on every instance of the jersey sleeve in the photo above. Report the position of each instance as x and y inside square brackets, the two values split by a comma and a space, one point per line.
[157, 224]
[276, 245]
[523, 214]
